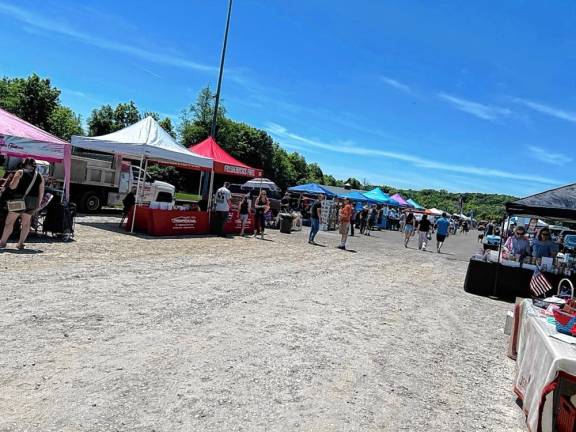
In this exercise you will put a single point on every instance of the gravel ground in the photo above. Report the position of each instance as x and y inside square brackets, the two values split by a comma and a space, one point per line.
[127, 333]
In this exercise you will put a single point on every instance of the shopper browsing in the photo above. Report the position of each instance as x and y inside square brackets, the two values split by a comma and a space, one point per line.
[244, 212]
[344, 217]
[25, 192]
[315, 214]
[423, 232]
[223, 202]
[442, 228]
[261, 206]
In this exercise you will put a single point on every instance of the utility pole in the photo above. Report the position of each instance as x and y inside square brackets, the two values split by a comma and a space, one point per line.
[217, 98]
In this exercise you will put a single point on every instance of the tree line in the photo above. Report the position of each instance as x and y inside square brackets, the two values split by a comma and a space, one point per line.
[37, 101]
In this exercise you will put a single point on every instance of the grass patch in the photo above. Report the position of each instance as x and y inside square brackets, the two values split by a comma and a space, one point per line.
[187, 196]
[1, 172]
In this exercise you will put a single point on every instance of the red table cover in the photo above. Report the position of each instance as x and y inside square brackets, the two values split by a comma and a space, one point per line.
[158, 222]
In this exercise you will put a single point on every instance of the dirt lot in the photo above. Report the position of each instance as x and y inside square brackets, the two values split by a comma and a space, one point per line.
[119, 333]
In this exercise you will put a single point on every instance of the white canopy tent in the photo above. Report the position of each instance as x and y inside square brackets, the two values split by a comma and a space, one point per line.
[435, 212]
[147, 141]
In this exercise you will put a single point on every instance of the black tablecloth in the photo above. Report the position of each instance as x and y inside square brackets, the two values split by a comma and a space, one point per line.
[488, 278]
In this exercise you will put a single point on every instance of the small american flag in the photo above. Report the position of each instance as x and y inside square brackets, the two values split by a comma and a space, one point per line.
[539, 285]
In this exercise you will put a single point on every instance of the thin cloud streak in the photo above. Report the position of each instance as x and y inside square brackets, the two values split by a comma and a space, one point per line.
[547, 110]
[396, 84]
[352, 149]
[33, 20]
[484, 112]
[546, 156]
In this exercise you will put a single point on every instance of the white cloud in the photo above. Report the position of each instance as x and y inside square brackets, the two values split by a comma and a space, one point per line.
[485, 112]
[548, 110]
[547, 156]
[33, 20]
[351, 148]
[396, 84]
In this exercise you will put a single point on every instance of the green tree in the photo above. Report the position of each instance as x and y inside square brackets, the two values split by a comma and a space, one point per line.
[64, 123]
[32, 99]
[101, 121]
[126, 114]
[196, 120]
[354, 184]
[105, 120]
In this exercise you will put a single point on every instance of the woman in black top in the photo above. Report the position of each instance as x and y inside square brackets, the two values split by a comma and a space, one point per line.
[423, 230]
[409, 228]
[26, 179]
[261, 206]
[244, 211]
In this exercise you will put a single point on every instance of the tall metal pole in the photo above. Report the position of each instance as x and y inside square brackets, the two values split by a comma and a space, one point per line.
[217, 101]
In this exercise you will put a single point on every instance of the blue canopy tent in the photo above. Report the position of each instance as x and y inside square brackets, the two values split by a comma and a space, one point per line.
[312, 189]
[380, 197]
[414, 204]
[358, 197]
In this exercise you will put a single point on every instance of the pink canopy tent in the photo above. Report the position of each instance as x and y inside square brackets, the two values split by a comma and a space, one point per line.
[22, 139]
[400, 199]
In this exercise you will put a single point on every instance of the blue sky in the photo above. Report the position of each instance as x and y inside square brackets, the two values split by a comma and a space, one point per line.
[465, 96]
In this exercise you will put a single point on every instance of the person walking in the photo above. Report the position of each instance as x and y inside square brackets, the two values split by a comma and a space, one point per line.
[223, 203]
[442, 229]
[423, 232]
[352, 220]
[409, 228]
[244, 212]
[402, 221]
[261, 206]
[344, 217]
[127, 203]
[364, 219]
[315, 214]
[26, 188]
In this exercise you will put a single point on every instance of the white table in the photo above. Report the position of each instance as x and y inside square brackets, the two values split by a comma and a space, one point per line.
[541, 361]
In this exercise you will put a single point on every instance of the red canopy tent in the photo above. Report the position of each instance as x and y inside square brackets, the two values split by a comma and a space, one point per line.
[223, 162]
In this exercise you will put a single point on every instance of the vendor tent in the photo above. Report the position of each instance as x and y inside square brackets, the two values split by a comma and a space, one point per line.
[145, 139]
[558, 204]
[414, 204]
[357, 197]
[435, 212]
[381, 197]
[311, 188]
[400, 200]
[223, 162]
[19, 138]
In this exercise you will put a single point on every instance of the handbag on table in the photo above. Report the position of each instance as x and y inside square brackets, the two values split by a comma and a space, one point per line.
[18, 205]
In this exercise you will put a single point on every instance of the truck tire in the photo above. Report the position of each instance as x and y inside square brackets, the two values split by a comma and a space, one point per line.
[91, 202]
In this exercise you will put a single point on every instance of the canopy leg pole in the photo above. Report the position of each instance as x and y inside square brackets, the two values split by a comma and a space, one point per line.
[497, 277]
[200, 184]
[210, 190]
[137, 194]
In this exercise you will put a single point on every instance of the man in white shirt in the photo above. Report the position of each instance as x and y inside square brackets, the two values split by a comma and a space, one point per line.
[223, 200]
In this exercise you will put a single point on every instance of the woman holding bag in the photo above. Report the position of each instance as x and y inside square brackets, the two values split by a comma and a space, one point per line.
[25, 192]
